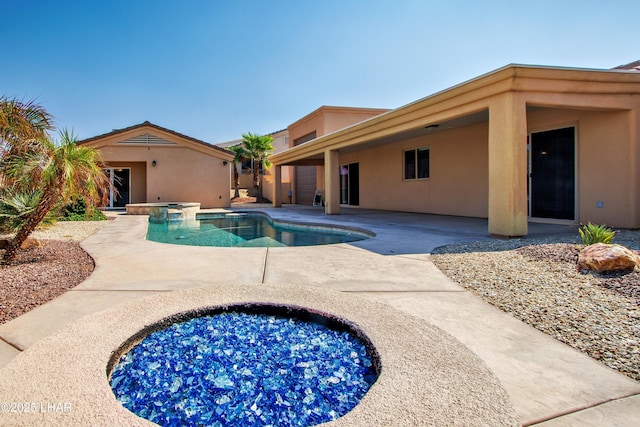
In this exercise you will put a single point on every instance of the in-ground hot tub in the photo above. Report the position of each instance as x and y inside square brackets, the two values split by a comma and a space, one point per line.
[164, 211]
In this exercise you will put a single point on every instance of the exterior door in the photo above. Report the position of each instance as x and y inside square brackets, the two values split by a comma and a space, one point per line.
[121, 181]
[305, 184]
[552, 174]
[350, 184]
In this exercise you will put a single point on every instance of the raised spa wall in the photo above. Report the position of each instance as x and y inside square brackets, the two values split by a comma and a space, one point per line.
[159, 212]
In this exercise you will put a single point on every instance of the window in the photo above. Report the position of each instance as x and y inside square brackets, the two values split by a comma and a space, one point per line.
[306, 138]
[247, 166]
[416, 163]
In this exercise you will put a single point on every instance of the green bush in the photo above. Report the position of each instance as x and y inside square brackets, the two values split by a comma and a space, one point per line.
[77, 211]
[592, 234]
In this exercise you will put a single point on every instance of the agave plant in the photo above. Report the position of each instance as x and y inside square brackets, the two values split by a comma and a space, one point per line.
[15, 206]
[593, 233]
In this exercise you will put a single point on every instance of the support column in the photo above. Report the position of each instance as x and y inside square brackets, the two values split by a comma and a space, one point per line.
[277, 186]
[634, 116]
[508, 214]
[332, 182]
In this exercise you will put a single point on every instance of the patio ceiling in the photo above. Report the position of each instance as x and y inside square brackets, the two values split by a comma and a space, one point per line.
[317, 159]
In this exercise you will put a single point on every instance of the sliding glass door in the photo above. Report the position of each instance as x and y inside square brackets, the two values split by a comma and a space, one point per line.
[350, 184]
[121, 181]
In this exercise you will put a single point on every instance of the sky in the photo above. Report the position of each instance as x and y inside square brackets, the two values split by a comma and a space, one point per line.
[215, 69]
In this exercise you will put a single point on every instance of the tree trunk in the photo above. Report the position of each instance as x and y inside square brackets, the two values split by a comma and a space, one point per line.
[236, 181]
[44, 206]
[259, 198]
[256, 184]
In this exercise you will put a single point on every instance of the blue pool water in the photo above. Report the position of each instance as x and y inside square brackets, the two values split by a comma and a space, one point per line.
[242, 229]
[240, 369]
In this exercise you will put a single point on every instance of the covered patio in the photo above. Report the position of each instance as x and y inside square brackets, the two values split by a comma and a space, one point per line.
[478, 137]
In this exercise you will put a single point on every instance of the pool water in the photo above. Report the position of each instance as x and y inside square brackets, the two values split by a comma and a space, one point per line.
[248, 230]
[244, 369]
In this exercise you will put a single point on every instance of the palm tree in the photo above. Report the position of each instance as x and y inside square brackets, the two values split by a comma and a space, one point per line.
[59, 172]
[21, 124]
[240, 155]
[258, 148]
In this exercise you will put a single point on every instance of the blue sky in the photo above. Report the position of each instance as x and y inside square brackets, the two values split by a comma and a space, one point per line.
[214, 69]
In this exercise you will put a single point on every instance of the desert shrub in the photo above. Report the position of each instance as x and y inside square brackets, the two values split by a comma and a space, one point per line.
[77, 211]
[593, 233]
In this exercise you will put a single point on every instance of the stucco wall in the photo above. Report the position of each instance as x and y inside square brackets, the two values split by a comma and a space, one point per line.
[267, 188]
[322, 121]
[337, 119]
[458, 183]
[325, 120]
[606, 159]
[181, 174]
[280, 144]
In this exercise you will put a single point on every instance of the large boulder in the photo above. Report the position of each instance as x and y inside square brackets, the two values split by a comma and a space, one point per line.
[602, 257]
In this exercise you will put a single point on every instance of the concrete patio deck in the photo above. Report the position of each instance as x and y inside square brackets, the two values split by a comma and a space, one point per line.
[548, 382]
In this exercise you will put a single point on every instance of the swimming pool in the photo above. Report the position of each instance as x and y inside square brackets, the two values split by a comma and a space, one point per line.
[246, 230]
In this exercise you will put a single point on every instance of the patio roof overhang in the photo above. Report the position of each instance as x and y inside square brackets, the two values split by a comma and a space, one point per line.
[503, 99]
[468, 103]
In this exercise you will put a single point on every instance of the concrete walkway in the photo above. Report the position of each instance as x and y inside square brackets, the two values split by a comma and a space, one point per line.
[548, 382]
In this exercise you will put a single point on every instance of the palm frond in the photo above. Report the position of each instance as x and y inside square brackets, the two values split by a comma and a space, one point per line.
[21, 122]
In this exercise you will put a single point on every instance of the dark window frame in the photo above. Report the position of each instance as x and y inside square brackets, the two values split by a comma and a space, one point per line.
[416, 164]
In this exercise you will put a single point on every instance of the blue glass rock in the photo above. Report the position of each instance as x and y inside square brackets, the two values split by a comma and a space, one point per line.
[244, 369]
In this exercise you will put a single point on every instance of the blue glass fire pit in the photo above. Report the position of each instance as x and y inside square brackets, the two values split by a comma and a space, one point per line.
[254, 365]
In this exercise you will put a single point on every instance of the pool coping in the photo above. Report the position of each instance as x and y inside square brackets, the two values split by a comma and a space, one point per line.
[428, 377]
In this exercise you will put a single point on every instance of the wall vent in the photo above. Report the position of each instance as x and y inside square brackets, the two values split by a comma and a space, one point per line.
[147, 139]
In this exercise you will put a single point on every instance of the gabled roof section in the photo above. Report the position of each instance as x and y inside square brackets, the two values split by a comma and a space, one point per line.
[154, 135]
[634, 66]
[228, 144]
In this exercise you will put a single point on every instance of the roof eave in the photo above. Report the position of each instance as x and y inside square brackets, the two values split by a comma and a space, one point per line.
[499, 80]
[220, 152]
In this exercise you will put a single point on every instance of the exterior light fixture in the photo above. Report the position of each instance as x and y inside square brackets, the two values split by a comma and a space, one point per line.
[431, 127]
[225, 163]
[154, 163]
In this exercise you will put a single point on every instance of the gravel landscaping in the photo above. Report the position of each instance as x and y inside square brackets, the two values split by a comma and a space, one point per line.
[45, 271]
[536, 281]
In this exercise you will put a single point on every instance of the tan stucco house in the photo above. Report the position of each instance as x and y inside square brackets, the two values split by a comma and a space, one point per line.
[306, 177]
[522, 143]
[148, 163]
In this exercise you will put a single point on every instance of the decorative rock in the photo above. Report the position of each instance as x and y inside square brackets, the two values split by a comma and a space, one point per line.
[603, 257]
[30, 243]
